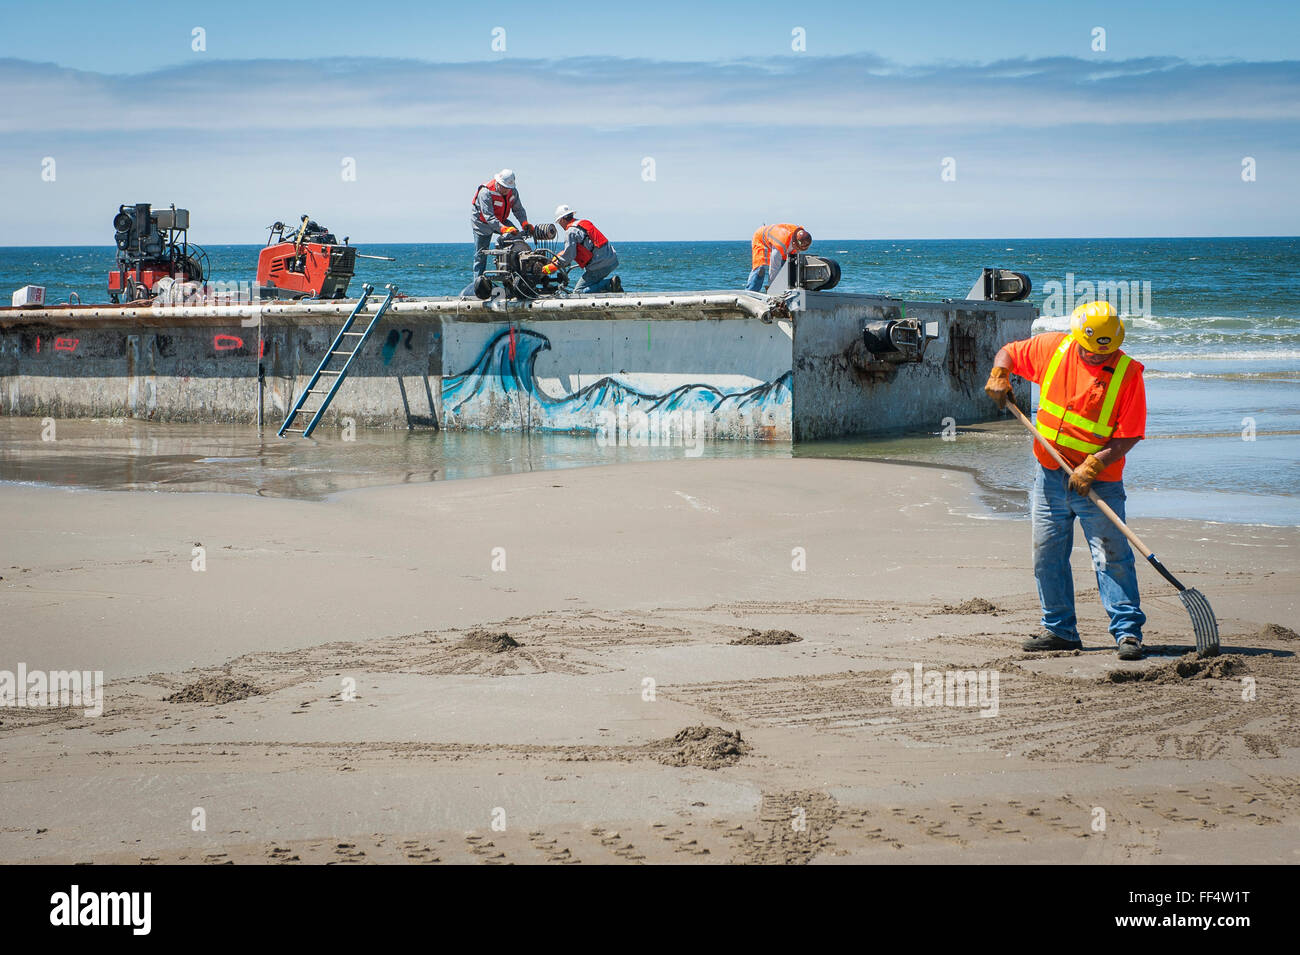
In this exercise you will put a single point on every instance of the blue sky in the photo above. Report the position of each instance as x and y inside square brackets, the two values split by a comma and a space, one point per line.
[1047, 136]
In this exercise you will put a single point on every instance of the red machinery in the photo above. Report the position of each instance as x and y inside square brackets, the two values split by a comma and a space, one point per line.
[152, 246]
[311, 264]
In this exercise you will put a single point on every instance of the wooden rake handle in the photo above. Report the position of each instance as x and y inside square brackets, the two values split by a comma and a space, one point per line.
[1092, 495]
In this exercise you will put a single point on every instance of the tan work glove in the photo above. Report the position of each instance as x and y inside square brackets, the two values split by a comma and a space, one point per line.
[999, 386]
[1085, 474]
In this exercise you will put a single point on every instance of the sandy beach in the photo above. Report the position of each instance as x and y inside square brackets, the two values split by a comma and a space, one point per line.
[508, 670]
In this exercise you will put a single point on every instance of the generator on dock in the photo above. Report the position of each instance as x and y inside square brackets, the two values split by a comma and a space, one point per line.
[516, 266]
[310, 263]
[152, 246]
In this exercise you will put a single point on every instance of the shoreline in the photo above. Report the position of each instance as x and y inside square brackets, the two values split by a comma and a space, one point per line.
[987, 496]
[261, 467]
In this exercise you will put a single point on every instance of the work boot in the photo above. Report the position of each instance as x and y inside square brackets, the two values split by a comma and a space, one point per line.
[1050, 641]
[616, 284]
[1130, 649]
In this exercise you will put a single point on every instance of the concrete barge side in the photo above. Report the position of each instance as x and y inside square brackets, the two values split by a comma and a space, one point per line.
[715, 362]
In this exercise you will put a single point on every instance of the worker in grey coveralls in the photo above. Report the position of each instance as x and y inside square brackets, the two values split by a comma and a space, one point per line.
[494, 202]
[594, 254]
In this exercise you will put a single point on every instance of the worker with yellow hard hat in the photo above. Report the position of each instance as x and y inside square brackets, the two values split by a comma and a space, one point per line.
[1092, 407]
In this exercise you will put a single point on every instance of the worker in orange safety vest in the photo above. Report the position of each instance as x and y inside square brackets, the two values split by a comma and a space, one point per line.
[1092, 408]
[772, 245]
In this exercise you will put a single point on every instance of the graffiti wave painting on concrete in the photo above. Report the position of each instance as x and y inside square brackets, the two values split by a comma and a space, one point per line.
[500, 392]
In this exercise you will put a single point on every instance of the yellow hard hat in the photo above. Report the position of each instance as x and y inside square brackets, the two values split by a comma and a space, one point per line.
[1096, 326]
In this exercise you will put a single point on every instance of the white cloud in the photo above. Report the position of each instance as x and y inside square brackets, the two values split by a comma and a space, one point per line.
[849, 145]
[850, 91]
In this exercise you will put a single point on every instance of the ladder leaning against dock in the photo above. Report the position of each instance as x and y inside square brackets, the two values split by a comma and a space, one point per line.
[346, 346]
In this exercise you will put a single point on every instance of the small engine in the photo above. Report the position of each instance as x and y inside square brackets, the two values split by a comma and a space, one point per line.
[517, 266]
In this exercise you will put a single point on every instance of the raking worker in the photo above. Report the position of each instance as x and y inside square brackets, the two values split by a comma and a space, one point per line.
[1092, 408]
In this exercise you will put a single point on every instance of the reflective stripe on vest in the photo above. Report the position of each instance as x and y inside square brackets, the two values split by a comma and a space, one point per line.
[1053, 419]
[778, 236]
[501, 202]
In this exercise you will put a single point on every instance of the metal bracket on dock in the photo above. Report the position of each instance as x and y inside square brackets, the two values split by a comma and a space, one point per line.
[887, 343]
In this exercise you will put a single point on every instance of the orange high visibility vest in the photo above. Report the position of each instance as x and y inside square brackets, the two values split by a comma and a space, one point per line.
[1066, 428]
[780, 236]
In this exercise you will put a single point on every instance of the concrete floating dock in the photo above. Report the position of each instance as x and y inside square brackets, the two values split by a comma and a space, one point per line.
[717, 365]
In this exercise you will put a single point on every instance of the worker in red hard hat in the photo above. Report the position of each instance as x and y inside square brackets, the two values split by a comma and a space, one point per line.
[1092, 407]
[772, 246]
[494, 202]
[587, 246]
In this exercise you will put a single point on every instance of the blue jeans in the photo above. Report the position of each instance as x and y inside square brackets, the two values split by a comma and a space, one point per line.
[596, 280]
[758, 279]
[481, 243]
[1053, 508]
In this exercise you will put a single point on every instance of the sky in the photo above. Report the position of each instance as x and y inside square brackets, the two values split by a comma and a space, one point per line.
[657, 120]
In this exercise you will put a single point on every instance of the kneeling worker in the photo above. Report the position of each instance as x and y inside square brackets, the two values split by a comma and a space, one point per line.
[772, 246]
[1093, 409]
[586, 245]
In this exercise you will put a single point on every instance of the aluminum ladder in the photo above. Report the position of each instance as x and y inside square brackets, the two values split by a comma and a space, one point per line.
[346, 346]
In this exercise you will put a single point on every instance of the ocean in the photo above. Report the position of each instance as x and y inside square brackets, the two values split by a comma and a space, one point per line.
[1216, 321]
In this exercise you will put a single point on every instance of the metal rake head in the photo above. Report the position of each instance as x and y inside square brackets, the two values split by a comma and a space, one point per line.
[1204, 624]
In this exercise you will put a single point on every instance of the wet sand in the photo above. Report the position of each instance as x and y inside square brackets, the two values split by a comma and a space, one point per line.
[631, 596]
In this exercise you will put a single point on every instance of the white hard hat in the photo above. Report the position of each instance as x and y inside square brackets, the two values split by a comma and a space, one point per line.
[562, 212]
[506, 177]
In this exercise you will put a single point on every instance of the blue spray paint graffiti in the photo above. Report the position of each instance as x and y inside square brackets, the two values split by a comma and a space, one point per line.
[500, 392]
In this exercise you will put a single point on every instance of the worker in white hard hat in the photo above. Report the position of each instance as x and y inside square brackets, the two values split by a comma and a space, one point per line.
[494, 202]
[1092, 407]
[587, 246]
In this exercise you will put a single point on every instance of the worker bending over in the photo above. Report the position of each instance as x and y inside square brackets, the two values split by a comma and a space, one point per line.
[494, 202]
[587, 246]
[1092, 408]
[772, 246]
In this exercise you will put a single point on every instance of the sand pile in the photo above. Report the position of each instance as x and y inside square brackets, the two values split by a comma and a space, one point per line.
[488, 642]
[214, 689]
[974, 605]
[766, 638]
[1184, 668]
[709, 747]
[1275, 631]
